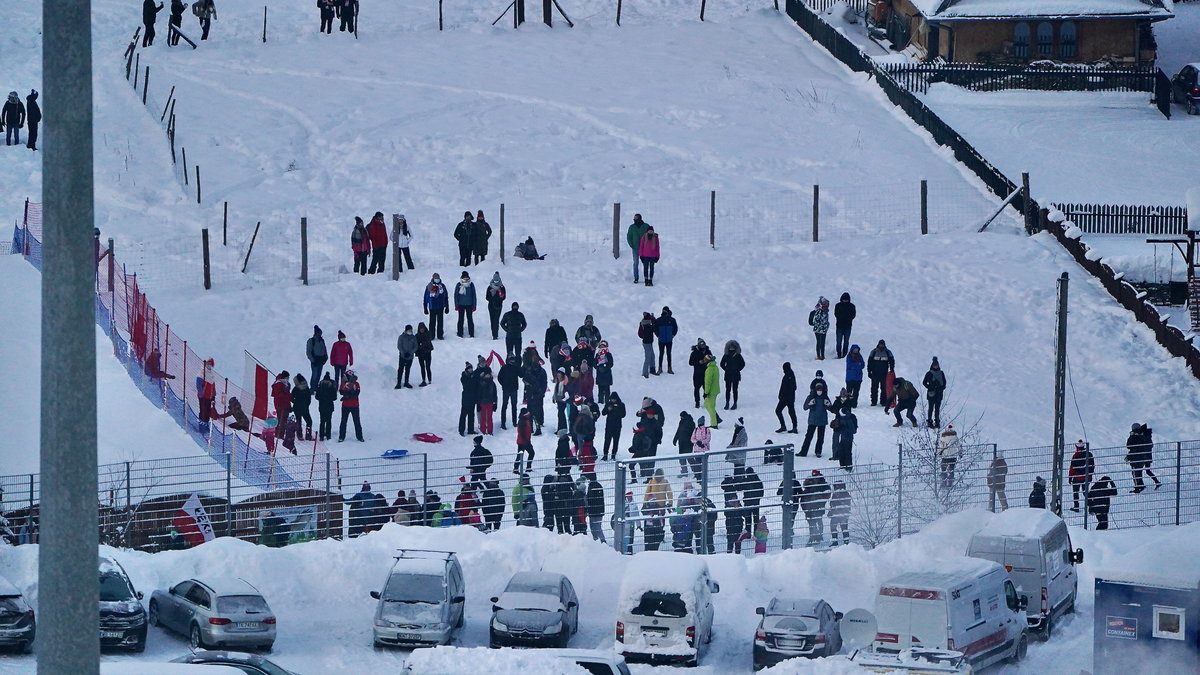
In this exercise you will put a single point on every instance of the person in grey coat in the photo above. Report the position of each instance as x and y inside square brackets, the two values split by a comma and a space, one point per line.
[317, 354]
[817, 404]
[406, 344]
[464, 303]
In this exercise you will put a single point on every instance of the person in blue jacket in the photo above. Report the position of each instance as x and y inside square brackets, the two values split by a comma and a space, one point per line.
[437, 304]
[855, 363]
[665, 328]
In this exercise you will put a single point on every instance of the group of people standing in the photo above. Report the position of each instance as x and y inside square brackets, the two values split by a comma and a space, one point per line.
[371, 240]
[346, 11]
[15, 115]
[205, 12]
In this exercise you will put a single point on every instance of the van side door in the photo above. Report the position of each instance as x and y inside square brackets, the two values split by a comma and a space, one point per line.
[1059, 570]
[456, 588]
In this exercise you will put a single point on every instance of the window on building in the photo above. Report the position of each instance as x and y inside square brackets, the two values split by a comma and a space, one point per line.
[1021, 40]
[1045, 38]
[1066, 40]
[1168, 622]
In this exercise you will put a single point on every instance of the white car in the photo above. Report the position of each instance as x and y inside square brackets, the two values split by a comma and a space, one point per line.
[665, 608]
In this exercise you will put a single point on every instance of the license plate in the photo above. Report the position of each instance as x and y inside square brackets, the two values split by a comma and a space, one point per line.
[412, 637]
[246, 625]
[110, 634]
[792, 644]
[654, 631]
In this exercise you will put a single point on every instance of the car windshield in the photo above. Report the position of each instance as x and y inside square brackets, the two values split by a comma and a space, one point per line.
[114, 588]
[414, 588]
[527, 587]
[10, 604]
[654, 603]
[248, 604]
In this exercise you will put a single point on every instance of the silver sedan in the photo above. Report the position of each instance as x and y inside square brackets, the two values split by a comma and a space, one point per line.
[215, 614]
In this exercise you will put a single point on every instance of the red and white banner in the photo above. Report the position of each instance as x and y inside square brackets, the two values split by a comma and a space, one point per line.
[192, 522]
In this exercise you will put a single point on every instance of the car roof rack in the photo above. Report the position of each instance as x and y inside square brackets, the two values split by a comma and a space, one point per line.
[422, 553]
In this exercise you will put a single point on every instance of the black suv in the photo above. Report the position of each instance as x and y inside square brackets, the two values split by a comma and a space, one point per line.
[122, 618]
[1185, 88]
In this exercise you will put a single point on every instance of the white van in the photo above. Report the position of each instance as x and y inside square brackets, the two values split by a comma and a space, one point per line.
[665, 608]
[963, 604]
[1035, 547]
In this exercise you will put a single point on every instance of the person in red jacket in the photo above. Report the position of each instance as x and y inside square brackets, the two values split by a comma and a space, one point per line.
[350, 391]
[206, 394]
[341, 357]
[360, 244]
[281, 395]
[466, 504]
[524, 443]
[1079, 475]
[377, 233]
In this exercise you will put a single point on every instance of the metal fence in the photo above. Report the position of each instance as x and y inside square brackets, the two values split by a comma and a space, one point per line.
[1126, 218]
[917, 77]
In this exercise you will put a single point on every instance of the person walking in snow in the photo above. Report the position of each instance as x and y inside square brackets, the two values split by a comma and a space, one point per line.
[1080, 471]
[464, 234]
[406, 346]
[649, 250]
[665, 328]
[513, 324]
[360, 244]
[935, 386]
[149, 17]
[904, 398]
[633, 237]
[839, 514]
[683, 440]
[326, 394]
[316, 353]
[350, 392]
[436, 304]
[404, 241]
[880, 362]
[494, 295]
[480, 237]
[844, 314]
[645, 331]
[205, 11]
[712, 389]
[949, 449]
[786, 399]
[33, 115]
[178, 7]
[424, 354]
[699, 366]
[732, 365]
[818, 318]
[855, 364]
[817, 404]
[341, 357]
[524, 459]
[377, 233]
[1141, 455]
[1099, 500]
[301, 401]
[464, 303]
[997, 477]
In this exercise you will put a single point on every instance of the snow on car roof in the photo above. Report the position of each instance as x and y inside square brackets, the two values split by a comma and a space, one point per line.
[518, 601]
[978, 9]
[447, 660]
[229, 586]
[432, 566]
[944, 573]
[793, 606]
[1155, 580]
[548, 580]
[1021, 522]
[664, 571]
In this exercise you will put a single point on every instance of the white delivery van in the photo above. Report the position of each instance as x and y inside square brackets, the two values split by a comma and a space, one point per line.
[963, 604]
[665, 608]
[1035, 547]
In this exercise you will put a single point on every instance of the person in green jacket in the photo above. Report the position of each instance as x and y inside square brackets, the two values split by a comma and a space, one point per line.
[633, 237]
[712, 387]
[519, 491]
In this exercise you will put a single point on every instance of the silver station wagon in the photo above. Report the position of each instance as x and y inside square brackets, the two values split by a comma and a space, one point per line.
[215, 614]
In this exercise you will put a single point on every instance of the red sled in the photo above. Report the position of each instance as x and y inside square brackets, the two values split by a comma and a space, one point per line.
[889, 383]
[427, 438]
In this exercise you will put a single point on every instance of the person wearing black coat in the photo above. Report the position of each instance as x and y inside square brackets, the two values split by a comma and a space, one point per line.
[534, 376]
[556, 335]
[614, 414]
[360, 513]
[699, 365]
[1141, 455]
[683, 440]
[787, 400]
[149, 16]
[33, 115]
[327, 14]
[12, 118]
[549, 505]
[470, 399]
[349, 16]
[751, 486]
[491, 503]
[177, 9]
[563, 459]
[797, 492]
[935, 386]
[732, 364]
[844, 313]
[734, 522]
[301, 401]
[325, 394]
[509, 378]
[463, 232]
[812, 502]
[566, 504]
[1037, 496]
[880, 362]
[513, 324]
[480, 461]
[595, 507]
[1099, 497]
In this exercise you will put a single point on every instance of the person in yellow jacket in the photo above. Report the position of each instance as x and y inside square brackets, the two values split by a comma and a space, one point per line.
[658, 490]
[712, 387]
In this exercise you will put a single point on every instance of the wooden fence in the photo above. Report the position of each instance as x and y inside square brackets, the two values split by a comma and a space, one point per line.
[1126, 219]
[997, 77]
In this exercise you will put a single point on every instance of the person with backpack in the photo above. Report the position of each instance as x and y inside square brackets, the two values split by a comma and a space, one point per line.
[1099, 500]
[839, 514]
[844, 314]
[301, 401]
[480, 237]
[33, 115]
[786, 399]
[818, 318]
[436, 304]
[1080, 471]
[665, 328]
[350, 392]
[522, 493]
[149, 17]
[633, 237]
[341, 357]
[817, 404]
[513, 324]
[464, 303]
[732, 365]
[404, 242]
[904, 398]
[316, 353]
[360, 244]
[424, 354]
[935, 386]
[464, 234]
[699, 368]
[325, 394]
[406, 346]
[880, 362]
[1141, 455]
[205, 11]
[378, 236]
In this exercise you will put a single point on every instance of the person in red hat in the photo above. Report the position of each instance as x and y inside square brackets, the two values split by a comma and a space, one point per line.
[1079, 475]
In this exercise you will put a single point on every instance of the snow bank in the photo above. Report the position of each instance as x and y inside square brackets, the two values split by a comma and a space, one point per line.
[1020, 522]
[475, 660]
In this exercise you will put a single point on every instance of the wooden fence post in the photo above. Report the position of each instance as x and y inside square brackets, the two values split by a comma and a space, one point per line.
[207, 275]
[253, 237]
[502, 232]
[145, 85]
[197, 183]
[816, 212]
[225, 226]
[924, 206]
[712, 218]
[137, 69]
[185, 173]
[1027, 203]
[397, 267]
[617, 230]
[112, 265]
[170, 97]
[304, 251]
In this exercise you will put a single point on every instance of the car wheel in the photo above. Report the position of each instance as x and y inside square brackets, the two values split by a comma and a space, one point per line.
[139, 647]
[1047, 628]
[268, 647]
[564, 637]
[25, 648]
[377, 645]
[1192, 108]
[153, 618]
[195, 639]
[1021, 650]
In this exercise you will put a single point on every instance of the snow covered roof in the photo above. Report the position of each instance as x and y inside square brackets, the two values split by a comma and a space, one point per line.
[793, 606]
[447, 660]
[1020, 522]
[664, 571]
[1156, 580]
[548, 580]
[944, 574]
[950, 10]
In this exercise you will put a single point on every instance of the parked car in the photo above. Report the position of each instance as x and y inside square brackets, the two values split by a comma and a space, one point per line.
[122, 617]
[792, 628]
[1185, 88]
[158, 668]
[536, 609]
[1035, 547]
[215, 613]
[474, 660]
[422, 601]
[18, 626]
[665, 608]
[250, 664]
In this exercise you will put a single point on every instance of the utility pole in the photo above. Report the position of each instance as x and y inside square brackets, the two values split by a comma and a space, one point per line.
[1060, 376]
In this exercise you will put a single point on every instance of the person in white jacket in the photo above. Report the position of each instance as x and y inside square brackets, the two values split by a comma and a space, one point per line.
[949, 449]
[403, 241]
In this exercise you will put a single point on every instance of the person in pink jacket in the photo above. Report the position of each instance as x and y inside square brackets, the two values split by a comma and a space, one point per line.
[341, 357]
[648, 251]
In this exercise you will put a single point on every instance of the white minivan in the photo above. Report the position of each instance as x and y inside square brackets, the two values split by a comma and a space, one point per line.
[1035, 547]
[962, 604]
[665, 608]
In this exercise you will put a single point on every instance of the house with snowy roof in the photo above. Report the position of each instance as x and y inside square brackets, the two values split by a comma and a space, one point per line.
[1020, 31]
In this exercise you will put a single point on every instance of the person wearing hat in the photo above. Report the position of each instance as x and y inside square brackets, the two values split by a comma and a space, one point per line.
[360, 244]
[436, 304]
[534, 377]
[206, 393]
[817, 404]
[614, 414]
[479, 238]
[556, 335]
[470, 400]
[377, 233]
[732, 365]
[487, 398]
[495, 294]
[33, 115]
[281, 394]
[509, 378]
[813, 501]
[633, 237]
[935, 385]
[699, 368]
[818, 318]
[683, 440]
[358, 508]
[268, 433]
[12, 117]
[464, 303]
[649, 250]
[880, 362]
[1080, 471]
[1037, 495]
[464, 234]
[480, 460]
[665, 328]
[406, 346]
[712, 389]
[317, 354]
[341, 357]
[350, 391]
[326, 394]
[646, 333]
[604, 366]
[513, 324]
[403, 242]
[588, 332]
[1141, 455]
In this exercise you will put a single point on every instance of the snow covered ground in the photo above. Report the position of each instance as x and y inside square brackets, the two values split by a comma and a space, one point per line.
[325, 618]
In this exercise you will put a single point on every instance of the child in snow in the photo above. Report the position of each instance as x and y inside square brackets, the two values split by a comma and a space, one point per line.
[761, 533]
